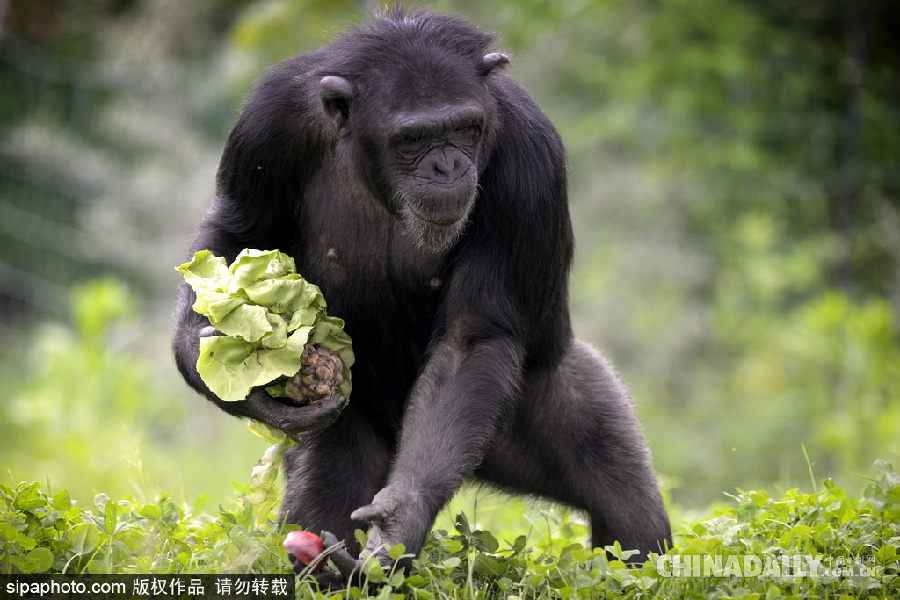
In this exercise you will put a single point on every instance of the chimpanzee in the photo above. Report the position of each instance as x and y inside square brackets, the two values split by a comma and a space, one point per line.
[424, 192]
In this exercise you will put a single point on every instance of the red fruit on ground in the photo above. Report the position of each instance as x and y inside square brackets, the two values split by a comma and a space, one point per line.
[305, 545]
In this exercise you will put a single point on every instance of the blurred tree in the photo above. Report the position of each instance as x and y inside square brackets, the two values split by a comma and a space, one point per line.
[855, 74]
[106, 113]
[67, 70]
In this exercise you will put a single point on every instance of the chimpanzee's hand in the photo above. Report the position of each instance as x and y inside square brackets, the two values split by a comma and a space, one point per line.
[292, 419]
[386, 532]
[395, 519]
[286, 416]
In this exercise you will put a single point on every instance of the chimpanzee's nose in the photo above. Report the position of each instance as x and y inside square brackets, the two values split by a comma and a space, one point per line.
[448, 165]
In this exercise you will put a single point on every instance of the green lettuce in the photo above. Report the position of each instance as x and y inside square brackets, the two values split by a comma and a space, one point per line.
[266, 313]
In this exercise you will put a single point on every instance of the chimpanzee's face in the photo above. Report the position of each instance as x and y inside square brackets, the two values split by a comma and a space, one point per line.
[417, 145]
[431, 156]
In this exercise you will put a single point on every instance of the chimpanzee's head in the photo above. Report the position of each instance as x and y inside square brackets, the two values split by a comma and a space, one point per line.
[415, 115]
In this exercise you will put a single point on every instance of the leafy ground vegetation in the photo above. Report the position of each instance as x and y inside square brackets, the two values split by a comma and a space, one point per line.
[821, 545]
[737, 224]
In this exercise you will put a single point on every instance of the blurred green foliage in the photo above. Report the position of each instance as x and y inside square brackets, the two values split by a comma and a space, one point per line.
[90, 415]
[734, 188]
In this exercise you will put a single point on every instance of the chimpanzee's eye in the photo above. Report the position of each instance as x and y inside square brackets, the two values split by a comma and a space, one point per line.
[470, 131]
[412, 137]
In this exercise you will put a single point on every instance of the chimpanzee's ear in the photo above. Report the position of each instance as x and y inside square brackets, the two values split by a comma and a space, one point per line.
[492, 61]
[337, 95]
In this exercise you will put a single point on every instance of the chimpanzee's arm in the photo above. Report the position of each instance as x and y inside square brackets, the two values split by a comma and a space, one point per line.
[504, 310]
[256, 207]
[455, 410]
[258, 405]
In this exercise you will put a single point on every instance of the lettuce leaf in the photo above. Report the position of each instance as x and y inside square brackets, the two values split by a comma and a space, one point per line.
[266, 313]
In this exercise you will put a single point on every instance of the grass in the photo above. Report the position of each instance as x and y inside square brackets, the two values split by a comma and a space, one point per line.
[823, 545]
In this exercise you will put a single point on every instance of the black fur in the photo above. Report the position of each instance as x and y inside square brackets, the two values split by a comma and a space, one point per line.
[466, 364]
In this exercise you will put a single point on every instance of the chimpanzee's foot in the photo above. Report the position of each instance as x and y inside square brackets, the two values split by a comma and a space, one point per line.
[348, 567]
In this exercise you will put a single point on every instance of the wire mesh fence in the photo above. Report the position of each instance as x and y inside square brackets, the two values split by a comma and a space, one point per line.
[101, 173]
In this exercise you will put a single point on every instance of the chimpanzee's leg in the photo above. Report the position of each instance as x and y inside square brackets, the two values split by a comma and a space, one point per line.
[331, 473]
[574, 438]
